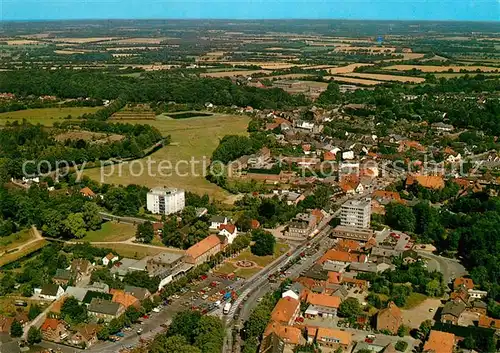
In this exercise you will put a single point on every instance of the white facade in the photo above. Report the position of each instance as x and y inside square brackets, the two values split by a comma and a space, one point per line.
[165, 200]
[356, 213]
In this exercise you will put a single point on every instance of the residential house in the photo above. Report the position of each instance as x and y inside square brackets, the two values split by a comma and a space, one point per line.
[386, 197]
[217, 221]
[76, 292]
[163, 263]
[290, 335]
[477, 294]
[201, 251]
[286, 311]
[62, 277]
[322, 305]
[50, 292]
[81, 267]
[109, 258]
[54, 330]
[439, 342]
[343, 257]
[295, 291]
[85, 336]
[452, 311]
[329, 338]
[274, 344]
[488, 322]
[301, 226]
[478, 307]
[98, 287]
[125, 299]
[229, 232]
[105, 309]
[389, 319]
[137, 292]
[459, 282]
[87, 192]
[434, 182]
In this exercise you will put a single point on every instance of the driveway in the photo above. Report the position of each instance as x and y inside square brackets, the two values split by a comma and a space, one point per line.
[450, 268]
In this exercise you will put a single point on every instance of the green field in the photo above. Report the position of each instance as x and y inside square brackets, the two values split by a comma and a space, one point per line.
[414, 299]
[45, 116]
[111, 231]
[191, 138]
[14, 240]
[11, 257]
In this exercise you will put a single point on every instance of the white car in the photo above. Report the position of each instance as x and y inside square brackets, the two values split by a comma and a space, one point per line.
[156, 310]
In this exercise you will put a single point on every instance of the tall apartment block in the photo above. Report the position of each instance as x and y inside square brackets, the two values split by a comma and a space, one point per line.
[165, 200]
[356, 213]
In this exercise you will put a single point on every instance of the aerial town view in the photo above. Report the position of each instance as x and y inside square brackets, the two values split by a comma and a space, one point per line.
[256, 185]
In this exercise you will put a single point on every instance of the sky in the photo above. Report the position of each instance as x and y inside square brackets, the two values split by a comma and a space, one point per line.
[459, 10]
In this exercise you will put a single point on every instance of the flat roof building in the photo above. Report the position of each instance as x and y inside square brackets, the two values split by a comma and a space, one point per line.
[165, 200]
[356, 213]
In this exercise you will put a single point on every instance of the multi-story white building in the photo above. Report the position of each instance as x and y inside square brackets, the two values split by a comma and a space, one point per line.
[165, 200]
[356, 213]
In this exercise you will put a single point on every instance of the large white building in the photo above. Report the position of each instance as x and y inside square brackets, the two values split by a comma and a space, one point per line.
[165, 200]
[356, 213]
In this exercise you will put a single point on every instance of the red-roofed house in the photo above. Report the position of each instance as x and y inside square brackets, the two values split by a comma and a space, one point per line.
[389, 319]
[322, 305]
[229, 232]
[439, 342]
[54, 330]
[87, 192]
[467, 283]
[286, 311]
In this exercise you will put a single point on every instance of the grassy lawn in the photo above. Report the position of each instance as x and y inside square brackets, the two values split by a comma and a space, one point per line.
[414, 300]
[14, 240]
[130, 250]
[45, 116]
[226, 268]
[111, 231]
[10, 257]
[7, 306]
[263, 261]
[191, 138]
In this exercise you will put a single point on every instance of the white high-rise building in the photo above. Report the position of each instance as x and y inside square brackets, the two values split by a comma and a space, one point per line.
[165, 200]
[356, 213]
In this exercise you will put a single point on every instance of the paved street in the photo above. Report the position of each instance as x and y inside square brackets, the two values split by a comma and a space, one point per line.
[450, 268]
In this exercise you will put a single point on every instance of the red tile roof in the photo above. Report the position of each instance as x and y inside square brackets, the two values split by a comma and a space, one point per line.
[231, 228]
[203, 246]
[86, 191]
[440, 342]
[323, 300]
[50, 323]
[285, 309]
[462, 281]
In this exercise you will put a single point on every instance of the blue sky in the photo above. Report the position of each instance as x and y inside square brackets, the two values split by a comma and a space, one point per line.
[474, 10]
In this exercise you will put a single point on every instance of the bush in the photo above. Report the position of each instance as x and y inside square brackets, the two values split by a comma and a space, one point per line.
[401, 346]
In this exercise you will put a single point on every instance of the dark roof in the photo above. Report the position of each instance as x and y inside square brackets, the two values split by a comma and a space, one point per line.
[137, 292]
[272, 344]
[454, 308]
[50, 289]
[410, 253]
[62, 274]
[217, 219]
[103, 306]
[479, 304]
[92, 294]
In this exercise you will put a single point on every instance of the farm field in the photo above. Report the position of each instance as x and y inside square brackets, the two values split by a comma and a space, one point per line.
[190, 138]
[93, 137]
[287, 76]
[431, 68]
[266, 65]
[140, 40]
[353, 80]
[460, 74]
[233, 73]
[45, 116]
[111, 231]
[346, 69]
[382, 77]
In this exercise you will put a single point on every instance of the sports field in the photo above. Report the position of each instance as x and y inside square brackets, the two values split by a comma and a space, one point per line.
[45, 116]
[193, 139]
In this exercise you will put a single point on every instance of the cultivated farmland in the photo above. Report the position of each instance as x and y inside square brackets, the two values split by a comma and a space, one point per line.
[431, 68]
[382, 77]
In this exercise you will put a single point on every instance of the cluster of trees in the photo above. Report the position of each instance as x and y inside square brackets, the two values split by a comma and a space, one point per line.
[135, 278]
[153, 86]
[264, 243]
[21, 142]
[468, 227]
[268, 211]
[232, 147]
[190, 332]
[393, 284]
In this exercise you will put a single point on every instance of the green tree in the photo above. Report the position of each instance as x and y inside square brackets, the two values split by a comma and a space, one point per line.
[91, 216]
[34, 311]
[16, 329]
[34, 335]
[145, 232]
[400, 217]
[433, 288]
[176, 343]
[425, 327]
[264, 243]
[403, 331]
[75, 225]
[350, 308]
[401, 346]
[74, 312]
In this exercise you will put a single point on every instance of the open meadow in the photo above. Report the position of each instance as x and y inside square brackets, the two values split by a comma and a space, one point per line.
[191, 138]
[451, 68]
[382, 77]
[112, 232]
[45, 116]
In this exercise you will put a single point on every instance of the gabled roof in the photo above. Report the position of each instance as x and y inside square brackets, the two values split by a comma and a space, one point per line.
[138, 292]
[323, 300]
[50, 324]
[50, 289]
[334, 277]
[391, 312]
[231, 228]
[218, 219]
[440, 342]
[203, 246]
[285, 309]
[288, 334]
[103, 306]
[110, 256]
[462, 281]
[324, 334]
[489, 322]
[86, 191]
[454, 308]
[341, 256]
[62, 274]
[123, 298]
[426, 181]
